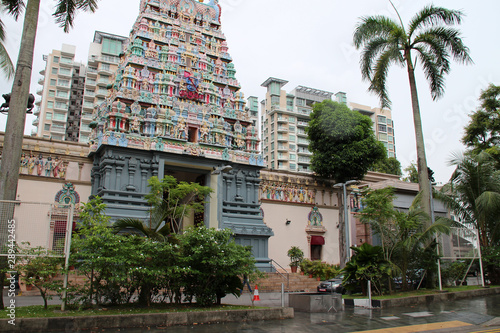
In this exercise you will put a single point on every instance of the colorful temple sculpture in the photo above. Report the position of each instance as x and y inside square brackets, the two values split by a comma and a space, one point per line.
[175, 108]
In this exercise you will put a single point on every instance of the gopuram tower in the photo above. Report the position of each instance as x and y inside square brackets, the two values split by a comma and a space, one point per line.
[175, 108]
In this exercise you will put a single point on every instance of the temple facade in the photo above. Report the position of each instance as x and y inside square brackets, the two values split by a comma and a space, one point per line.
[175, 108]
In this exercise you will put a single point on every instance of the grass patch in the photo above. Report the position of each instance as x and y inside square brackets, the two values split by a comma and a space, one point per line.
[420, 292]
[37, 311]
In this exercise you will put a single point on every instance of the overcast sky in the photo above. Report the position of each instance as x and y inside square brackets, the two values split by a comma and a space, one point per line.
[310, 43]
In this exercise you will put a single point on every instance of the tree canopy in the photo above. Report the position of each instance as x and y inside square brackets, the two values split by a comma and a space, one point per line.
[483, 130]
[389, 165]
[342, 142]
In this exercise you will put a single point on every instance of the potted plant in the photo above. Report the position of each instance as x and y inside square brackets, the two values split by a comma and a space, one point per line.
[296, 255]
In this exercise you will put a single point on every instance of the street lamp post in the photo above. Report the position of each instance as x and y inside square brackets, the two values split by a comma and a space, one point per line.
[346, 217]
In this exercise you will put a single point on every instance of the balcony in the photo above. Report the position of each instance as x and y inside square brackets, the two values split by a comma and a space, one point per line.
[39, 91]
[42, 72]
[85, 129]
[301, 132]
[282, 129]
[282, 120]
[61, 106]
[36, 112]
[65, 72]
[101, 92]
[103, 82]
[283, 138]
[304, 151]
[282, 148]
[89, 94]
[58, 129]
[91, 72]
[62, 96]
[104, 69]
[35, 122]
[302, 123]
[63, 85]
[41, 81]
[88, 105]
[65, 62]
[90, 82]
[87, 115]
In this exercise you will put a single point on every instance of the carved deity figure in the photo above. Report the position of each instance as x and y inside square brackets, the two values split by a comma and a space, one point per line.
[39, 165]
[57, 167]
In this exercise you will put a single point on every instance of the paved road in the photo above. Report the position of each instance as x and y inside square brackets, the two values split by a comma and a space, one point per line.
[481, 314]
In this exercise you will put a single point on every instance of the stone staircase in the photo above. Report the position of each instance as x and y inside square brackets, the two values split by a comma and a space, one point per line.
[292, 282]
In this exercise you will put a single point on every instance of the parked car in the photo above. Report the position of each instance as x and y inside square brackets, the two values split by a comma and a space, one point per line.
[334, 284]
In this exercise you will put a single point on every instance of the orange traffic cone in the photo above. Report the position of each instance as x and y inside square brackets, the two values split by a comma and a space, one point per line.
[256, 294]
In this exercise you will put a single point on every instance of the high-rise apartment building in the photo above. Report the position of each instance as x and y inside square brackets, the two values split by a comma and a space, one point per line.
[102, 64]
[284, 117]
[383, 126]
[70, 89]
[59, 109]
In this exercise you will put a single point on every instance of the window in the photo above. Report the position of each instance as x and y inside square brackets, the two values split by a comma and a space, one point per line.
[54, 70]
[390, 138]
[381, 119]
[46, 127]
[65, 60]
[291, 129]
[391, 146]
[56, 60]
[389, 130]
[391, 154]
[299, 101]
[291, 119]
[65, 71]
[292, 147]
[382, 128]
[291, 138]
[64, 83]
[52, 93]
[53, 82]
[382, 136]
[48, 116]
[105, 67]
[111, 46]
[293, 157]
[293, 166]
[50, 105]
[275, 100]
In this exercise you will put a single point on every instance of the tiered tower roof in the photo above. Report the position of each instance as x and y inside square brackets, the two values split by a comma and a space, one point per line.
[175, 89]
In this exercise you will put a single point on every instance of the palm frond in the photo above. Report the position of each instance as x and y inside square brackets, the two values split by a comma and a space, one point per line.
[14, 7]
[373, 26]
[131, 224]
[433, 73]
[378, 82]
[5, 62]
[431, 15]
[66, 11]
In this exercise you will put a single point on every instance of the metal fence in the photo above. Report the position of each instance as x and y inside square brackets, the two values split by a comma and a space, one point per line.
[35, 224]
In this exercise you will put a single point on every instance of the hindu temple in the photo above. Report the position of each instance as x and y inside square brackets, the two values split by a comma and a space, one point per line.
[175, 108]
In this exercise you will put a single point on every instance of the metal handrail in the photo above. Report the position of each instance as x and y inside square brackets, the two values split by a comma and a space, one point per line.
[287, 277]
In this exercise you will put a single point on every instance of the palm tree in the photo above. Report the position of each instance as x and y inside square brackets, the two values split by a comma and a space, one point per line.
[473, 194]
[170, 202]
[432, 38]
[11, 154]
